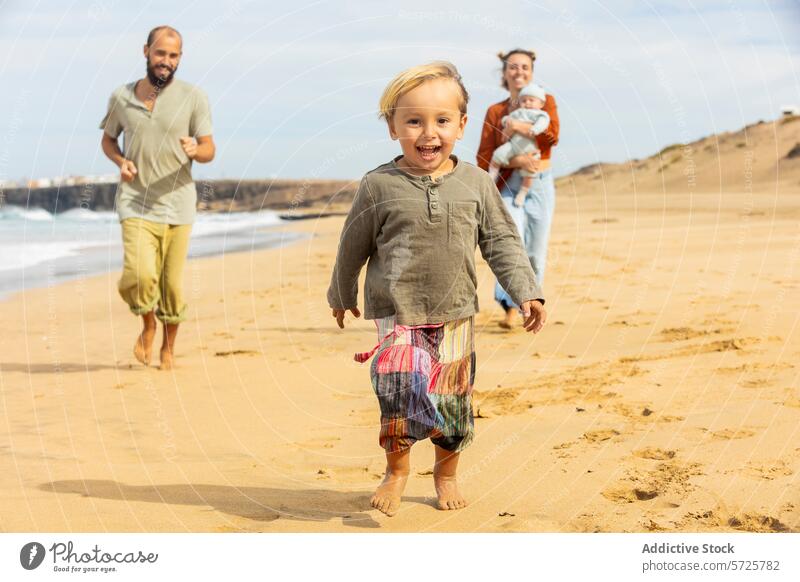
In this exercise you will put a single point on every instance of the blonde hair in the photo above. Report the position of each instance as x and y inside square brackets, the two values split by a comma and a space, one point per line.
[412, 78]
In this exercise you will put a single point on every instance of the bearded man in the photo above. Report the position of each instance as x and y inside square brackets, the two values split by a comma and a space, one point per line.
[166, 125]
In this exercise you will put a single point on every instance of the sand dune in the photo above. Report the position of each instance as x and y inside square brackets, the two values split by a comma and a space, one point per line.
[763, 157]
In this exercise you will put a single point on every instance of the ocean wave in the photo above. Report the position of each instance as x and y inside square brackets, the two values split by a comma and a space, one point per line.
[33, 236]
[15, 257]
[21, 213]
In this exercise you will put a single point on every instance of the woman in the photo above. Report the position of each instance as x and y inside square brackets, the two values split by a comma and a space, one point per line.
[534, 217]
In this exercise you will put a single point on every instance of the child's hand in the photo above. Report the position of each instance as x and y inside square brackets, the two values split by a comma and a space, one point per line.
[339, 315]
[534, 314]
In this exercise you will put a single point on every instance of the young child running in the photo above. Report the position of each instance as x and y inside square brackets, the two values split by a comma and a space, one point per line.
[417, 220]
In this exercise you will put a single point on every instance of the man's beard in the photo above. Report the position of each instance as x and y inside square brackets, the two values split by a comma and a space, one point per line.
[157, 81]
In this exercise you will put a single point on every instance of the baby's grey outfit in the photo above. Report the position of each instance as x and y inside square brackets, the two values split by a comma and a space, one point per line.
[520, 144]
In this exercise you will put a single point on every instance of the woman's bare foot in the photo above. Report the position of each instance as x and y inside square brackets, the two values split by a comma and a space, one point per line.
[387, 496]
[508, 322]
[143, 348]
[445, 480]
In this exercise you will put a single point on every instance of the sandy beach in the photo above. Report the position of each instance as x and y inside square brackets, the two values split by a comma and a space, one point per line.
[661, 396]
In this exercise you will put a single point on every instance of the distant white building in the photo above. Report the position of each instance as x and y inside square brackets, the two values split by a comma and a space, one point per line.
[68, 181]
[790, 110]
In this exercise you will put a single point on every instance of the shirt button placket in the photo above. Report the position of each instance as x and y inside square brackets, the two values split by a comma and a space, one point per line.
[433, 203]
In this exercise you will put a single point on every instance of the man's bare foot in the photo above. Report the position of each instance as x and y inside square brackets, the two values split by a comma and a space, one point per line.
[387, 496]
[166, 360]
[444, 480]
[143, 348]
[168, 346]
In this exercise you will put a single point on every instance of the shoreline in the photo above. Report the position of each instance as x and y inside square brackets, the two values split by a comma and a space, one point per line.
[98, 260]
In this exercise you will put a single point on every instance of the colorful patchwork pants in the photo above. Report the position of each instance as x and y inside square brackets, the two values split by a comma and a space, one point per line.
[423, 378]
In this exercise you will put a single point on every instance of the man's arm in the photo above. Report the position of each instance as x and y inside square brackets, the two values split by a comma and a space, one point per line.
[111, 149]
[201, 150]
[127, 169]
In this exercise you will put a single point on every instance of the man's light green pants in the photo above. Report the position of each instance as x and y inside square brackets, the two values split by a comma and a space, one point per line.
[152, 274]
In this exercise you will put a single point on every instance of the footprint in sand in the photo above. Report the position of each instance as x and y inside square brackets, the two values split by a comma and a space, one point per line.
[668, 479]
[654, 453]
[499, 402]
[792, 400]
[237, 353]
[738, 345]
[642, 413]
[561, 451]
[757, 523]
[731, 434]
[768, 470]
[677, 334]
[750, 522]
[597, 436]
[565, 445]
[628, 495]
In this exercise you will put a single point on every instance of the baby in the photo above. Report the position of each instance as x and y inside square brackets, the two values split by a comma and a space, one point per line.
[531, 100]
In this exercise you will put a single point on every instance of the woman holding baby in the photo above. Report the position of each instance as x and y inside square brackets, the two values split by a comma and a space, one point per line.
[535, 213]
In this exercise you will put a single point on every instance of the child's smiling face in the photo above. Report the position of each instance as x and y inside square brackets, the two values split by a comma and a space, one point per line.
[427, 121]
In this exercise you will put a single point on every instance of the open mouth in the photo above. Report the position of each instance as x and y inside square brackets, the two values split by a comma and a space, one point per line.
[428, 153]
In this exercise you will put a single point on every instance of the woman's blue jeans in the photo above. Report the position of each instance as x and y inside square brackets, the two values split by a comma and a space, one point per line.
[533, 221]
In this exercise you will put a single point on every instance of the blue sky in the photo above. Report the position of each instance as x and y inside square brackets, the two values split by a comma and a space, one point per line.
[294, 85]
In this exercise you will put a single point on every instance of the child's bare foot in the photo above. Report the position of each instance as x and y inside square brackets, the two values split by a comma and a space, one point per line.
[519, 199]
[143, 348]
[445, 481]
[387, 496]
[447, 492]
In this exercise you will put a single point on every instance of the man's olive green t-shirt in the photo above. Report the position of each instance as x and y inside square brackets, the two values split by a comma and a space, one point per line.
[419, 236]
[163, 190]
